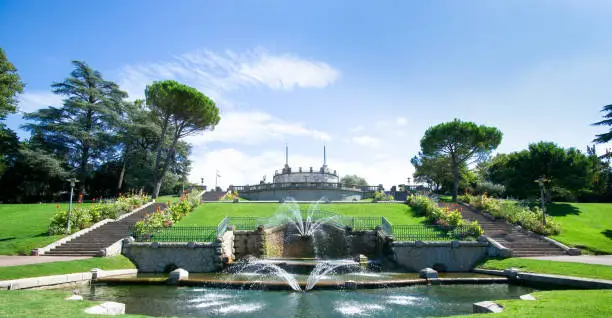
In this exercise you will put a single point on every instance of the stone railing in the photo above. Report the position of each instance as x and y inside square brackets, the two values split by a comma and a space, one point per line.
[296, 185]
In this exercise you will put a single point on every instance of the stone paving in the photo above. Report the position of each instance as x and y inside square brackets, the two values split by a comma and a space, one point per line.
[7, 260]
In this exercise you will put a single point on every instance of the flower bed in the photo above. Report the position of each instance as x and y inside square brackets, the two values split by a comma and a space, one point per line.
[82, 216]
[159, 220]
[513, 212]
[445, 217]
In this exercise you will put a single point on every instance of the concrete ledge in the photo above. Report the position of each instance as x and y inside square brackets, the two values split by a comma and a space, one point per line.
[43, 250]
[497, 248]
[438, 243]
[519, 277]
[33, 282]
[114, 249]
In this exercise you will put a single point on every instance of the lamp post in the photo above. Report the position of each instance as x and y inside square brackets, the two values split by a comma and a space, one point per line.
[541, 182]
[72, 181]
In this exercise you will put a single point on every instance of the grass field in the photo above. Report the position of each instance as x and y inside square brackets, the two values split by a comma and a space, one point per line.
[43, 303]
[24, 227]
[213, 213]
[587, 226]
[166, 198]
[551, 267]
[57, 268]
[558, 303]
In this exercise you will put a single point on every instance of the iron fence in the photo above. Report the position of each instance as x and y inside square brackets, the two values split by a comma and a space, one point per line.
[222, 227]
[387, 226]
[429, 233]
[245, 223]
[180, 234]
[361, 223]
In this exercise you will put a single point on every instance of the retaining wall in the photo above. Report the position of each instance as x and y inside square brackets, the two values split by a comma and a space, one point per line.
[454, 256]
[162, 257]
[302, 194]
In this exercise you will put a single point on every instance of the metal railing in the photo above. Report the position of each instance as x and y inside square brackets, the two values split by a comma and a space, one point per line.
[429, 233]
[222, 227]
[180, 234]
[387, 226]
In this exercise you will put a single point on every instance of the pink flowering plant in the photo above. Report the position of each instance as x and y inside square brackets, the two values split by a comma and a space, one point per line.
[449, 219]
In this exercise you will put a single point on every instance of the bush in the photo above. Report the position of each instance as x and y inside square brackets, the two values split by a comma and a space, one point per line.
[154, 222]
[79, 219]
[84, 216]
[490, 188]
[445, 217]
[381, 196]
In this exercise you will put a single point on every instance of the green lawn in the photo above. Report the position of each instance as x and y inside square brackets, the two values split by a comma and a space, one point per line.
[558, 303]
[166, 198]
[552, 267]
[43, 303]
[57, 268]
[587, 226]
[213, 213]
[24, 227]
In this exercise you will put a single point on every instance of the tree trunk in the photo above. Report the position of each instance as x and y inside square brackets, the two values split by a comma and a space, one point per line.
[455, 169]
[122, 174]
[169, 157]
[157, 176]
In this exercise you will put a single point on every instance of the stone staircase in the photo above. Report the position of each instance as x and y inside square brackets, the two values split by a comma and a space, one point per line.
[212, 195]
[521, 243]
[90, 243]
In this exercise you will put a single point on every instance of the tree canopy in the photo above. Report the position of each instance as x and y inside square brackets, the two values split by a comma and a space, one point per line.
[10, 86]
[353, 180]
[180, 111]
[460, 142]
[605, 137]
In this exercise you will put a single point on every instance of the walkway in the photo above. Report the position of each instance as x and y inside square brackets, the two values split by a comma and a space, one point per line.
[587, 259]
[6, 260]
[521, 243]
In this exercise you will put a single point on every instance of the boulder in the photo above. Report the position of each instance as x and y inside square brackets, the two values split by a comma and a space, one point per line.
[110, 308]
[485, 307]
[428, 273]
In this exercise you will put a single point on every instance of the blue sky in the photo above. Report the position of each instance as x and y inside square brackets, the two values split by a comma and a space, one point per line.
[364, 78]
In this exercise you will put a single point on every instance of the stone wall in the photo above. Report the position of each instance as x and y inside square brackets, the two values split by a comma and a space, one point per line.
[275, 238]
[162, 257]
[364, 242]
[305, 176]
[249, 243]
[302, 194]
[452, 256]
[227, 247]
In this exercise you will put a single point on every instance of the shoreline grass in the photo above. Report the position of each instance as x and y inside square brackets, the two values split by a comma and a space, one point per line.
[67, 267]
[551, 267]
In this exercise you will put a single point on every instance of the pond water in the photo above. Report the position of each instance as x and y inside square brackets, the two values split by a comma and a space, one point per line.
[413, 301]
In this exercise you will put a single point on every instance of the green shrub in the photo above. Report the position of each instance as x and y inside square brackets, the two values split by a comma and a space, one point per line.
[84, 216]
[79, 219]
[154, 222]
[445, 217]
[381, 196]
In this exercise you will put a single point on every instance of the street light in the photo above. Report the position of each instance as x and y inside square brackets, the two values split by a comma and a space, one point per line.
[72, 181]
[541, 182]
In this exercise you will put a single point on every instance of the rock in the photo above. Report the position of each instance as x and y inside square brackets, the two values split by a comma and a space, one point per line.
[455, 244]
[74, 297]
[574, 251]
[512, 272]
[176, 275]
[419, 243]
[484, 307]
[527, 297]
[428, 273]
[110, 308]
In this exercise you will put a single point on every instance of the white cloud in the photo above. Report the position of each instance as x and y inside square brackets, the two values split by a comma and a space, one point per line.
[254, 127]
[366, 141]
[401, 121]
[213, 72]
[238, 168]
[32, 101]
